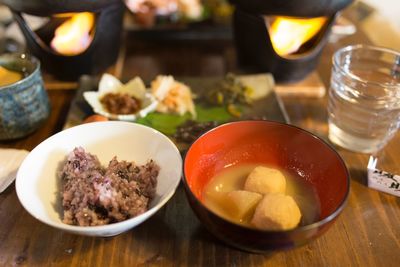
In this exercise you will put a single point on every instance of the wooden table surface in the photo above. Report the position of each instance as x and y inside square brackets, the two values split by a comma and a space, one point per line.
[367, 233]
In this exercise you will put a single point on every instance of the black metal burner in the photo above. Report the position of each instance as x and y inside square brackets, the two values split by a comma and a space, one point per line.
[103, 50]
[49, 7]
[292, 8]
[256, 54]
[253, 44]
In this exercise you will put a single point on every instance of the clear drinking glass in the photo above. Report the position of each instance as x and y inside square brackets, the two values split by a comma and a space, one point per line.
[364, 97]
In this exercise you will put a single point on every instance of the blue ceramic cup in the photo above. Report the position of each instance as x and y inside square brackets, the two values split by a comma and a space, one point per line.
[24, 105]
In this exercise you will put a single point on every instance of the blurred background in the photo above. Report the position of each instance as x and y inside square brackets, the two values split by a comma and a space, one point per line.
[387, 8]
[387, 15]
[170, 23]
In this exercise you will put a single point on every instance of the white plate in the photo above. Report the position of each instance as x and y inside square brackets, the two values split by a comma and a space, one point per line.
[93, 98]
[135, 87]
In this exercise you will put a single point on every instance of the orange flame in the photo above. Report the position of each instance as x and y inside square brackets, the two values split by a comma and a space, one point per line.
[73, 36]
[288, 34]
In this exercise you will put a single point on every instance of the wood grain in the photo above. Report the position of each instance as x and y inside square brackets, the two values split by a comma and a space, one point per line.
[365, 234]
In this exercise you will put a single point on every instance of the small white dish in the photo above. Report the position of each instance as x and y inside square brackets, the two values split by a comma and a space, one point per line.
[134, 87]
[38, 188]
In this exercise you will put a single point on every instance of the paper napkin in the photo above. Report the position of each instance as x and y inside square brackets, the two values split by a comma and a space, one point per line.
[10, 160]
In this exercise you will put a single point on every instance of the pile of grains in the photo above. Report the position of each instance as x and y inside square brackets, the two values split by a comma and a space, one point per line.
[94, 195]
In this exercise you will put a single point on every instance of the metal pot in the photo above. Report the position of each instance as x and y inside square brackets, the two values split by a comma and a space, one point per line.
[293, 8]
[49, 7]
[101, 53]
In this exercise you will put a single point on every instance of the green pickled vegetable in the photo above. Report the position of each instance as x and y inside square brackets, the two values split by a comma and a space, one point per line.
[168, 123]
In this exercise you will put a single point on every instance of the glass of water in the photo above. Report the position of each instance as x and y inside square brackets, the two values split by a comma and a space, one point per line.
[364, 97]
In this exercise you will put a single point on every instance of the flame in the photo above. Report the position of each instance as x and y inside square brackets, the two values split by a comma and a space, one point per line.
[73, 36]
[288, 34]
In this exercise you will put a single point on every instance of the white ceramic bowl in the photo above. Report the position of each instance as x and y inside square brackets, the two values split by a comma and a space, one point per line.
[37, 185]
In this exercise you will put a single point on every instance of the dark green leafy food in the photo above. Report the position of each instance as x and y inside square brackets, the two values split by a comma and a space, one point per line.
[230, 91]
[168, 123]
[191, 130]
[219, 114]
[165, 123]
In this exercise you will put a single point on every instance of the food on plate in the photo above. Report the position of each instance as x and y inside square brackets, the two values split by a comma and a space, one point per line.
[243, 89]
[265, 180]
[146, 11]
[234, 110]
[189, 131]
[276, 211]
[94, 118]
[120, 103]
[191, 9]
[230, 90]
[207, 119]
[261, 84]
[173, 96]
[234, 91]
[221, 10]
[96, 195]
[292, 201]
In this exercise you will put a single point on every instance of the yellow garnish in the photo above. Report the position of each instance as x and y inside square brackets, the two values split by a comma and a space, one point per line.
[234, 111]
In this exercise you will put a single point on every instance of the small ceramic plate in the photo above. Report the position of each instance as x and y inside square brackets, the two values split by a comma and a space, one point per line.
[110, 84]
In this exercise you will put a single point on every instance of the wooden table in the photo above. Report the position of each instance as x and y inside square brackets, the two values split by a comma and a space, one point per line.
[367, 233]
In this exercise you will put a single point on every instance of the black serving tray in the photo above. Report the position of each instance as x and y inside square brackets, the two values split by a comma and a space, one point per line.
[268, 108]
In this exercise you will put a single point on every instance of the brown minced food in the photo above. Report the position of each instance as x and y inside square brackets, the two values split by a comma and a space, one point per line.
[95, 195]
[118, 103]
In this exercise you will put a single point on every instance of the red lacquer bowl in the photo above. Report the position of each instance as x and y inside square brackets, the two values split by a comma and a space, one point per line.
[275, 144]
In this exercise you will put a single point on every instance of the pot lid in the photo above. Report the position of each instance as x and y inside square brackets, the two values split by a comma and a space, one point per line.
[295, 8]
[49, 7]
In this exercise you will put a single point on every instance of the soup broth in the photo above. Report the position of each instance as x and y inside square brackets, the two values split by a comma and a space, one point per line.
[10, 76]
[233, 178]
